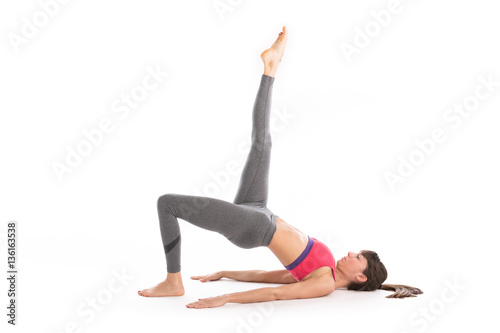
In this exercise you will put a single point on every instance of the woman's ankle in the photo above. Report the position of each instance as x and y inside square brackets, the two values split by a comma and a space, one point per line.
[270, 71]
[174, 278]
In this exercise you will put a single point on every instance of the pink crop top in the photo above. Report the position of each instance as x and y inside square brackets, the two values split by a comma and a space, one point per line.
[315, 255]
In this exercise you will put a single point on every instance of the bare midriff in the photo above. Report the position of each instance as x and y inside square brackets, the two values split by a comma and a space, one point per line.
[288, 242]
[287, 245]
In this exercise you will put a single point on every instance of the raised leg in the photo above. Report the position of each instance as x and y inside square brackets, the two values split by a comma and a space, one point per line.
[253, 186]
[254, 181]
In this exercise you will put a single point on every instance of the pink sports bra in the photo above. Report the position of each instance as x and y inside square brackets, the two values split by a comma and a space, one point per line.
[315, 255]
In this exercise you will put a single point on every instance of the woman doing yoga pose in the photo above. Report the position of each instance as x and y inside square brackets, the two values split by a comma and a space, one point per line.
[310, 268]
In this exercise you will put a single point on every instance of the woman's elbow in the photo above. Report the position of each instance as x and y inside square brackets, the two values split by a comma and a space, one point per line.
[282, 294]
[278, 294]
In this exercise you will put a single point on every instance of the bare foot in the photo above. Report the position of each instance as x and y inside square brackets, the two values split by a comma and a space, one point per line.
[272, 56]
[163, 289]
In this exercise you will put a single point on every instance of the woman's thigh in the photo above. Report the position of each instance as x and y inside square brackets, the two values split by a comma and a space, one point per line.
[244, 225]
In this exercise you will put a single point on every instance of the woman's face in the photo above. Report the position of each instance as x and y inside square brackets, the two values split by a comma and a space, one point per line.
[353, 266]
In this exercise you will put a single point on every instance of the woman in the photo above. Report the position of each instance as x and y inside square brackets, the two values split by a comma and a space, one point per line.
[310, 268]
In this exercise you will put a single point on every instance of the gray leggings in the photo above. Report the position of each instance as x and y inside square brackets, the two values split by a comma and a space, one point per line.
[246, 222]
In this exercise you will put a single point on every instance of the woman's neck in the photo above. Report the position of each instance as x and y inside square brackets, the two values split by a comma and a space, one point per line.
[341, 280]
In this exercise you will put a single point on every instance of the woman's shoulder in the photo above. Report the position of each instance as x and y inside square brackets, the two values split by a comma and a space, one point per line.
[324, 273]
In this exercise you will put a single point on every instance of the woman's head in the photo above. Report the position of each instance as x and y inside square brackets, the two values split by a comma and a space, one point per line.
[373, 273]
[366, 272]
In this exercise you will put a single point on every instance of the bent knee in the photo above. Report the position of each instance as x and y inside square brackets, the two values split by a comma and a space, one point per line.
[164, 200]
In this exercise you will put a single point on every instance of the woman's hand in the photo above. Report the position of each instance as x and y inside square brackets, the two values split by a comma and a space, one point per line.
[209, 277]
[210, 302]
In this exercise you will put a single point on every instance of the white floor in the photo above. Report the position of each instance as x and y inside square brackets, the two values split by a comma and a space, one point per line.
[81, 296]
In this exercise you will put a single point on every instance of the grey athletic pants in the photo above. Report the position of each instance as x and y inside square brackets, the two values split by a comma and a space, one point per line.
[246, 222]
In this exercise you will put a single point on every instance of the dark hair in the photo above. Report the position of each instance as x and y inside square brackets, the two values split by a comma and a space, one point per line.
[376, 273]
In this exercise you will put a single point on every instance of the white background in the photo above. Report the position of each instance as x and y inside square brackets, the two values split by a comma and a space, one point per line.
[339, 125]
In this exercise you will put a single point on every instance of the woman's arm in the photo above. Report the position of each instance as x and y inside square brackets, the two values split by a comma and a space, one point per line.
[245, 276]
[279, 276]
[314, 287]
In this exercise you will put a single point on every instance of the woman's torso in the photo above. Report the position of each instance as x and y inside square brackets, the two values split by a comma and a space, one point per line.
[288, 243]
